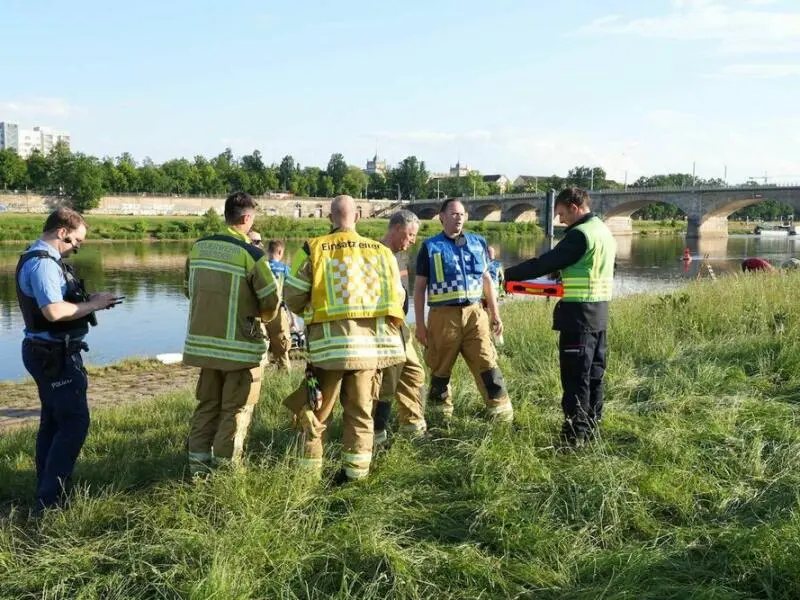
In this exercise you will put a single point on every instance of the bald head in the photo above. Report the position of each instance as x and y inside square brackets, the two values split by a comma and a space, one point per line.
[343, 212]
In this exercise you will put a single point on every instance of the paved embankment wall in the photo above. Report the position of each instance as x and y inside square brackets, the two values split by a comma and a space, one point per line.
[146, 204]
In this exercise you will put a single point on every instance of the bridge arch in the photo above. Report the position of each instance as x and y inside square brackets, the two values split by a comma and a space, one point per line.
[520, 213]
[485, 212]
[634, 205]
[424, 213]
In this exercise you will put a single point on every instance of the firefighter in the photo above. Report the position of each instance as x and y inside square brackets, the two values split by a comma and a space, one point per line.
[585, 256]
[231, 292]
[403, 381]
[453, 270]
[348, 289]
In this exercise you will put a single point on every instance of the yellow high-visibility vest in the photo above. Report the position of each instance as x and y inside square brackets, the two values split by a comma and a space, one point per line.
[353, 278]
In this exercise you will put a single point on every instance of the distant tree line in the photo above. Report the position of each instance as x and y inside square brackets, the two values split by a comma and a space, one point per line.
[85, 179]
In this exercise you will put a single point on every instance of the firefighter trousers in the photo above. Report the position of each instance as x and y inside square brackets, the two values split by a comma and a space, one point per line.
[280, 337]
[221, 420]
[402, 382]
[465, 330]
[357, 390]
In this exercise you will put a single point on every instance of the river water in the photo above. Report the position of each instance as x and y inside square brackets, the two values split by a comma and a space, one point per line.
[152, 320]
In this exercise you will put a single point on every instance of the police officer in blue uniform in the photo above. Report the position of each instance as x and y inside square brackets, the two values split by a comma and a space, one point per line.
[57, 314]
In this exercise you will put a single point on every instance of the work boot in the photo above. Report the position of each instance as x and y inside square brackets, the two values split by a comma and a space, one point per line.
[504, 413]
[340, 479]
[570, 437]
[381, 441]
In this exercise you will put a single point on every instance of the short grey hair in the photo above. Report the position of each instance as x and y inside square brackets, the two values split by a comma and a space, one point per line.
[404, 218]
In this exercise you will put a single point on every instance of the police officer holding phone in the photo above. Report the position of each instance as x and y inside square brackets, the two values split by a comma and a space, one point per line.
[57, 314]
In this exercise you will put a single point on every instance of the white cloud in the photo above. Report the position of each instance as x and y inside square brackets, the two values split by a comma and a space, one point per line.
[761, 71]
[734, 28]
[39, 107]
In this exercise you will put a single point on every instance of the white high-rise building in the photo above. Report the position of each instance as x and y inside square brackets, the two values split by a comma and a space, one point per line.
[25, 141]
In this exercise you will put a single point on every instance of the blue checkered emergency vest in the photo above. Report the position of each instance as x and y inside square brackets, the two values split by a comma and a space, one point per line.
[456, 272]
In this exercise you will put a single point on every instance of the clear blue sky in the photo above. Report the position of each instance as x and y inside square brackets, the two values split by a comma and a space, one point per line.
[509, 86]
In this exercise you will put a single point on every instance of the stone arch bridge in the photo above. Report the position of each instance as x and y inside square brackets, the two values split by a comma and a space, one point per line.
[706, 209]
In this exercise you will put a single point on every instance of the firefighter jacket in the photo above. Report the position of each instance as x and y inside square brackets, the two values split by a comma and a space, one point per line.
[348, 289]
[231, 292]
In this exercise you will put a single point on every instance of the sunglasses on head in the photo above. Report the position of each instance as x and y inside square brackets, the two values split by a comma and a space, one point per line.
[257, 242]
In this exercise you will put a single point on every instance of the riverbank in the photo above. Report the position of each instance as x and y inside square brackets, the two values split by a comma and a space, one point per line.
[690, 492]
[22, 228]
[678, 227]
[127, 382]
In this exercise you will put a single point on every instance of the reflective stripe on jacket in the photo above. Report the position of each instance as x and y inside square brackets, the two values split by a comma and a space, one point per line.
[456, 271]
[231, 291]
[591, 278]
[348, 289]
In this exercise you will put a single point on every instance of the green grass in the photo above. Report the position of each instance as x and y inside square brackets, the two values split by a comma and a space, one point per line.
[692, 492]
[15, 227]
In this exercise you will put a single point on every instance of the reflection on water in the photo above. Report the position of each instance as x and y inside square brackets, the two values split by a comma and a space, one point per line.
[152, 319]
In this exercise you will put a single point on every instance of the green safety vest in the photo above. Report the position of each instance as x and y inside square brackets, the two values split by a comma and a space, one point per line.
[591, 278]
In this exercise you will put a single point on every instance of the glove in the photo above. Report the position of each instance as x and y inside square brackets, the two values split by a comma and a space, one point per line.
[308, 422]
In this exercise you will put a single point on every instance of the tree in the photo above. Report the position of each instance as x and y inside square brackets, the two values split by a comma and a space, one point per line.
[376, 186]
[325, 185]
[113, 180]
[355, 182]
[255, 169]
[179, 175]
[473, 185]
[587, 178]
[39, 171]
[126, 166]
[13, 170]
[60, 160]
[286, 172]
[306, 182]
[84, 182]
[337, 169]
[152, 178]
[411, 176]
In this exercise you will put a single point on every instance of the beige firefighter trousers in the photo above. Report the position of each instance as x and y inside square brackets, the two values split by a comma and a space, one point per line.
[221, 420]
[280, 338]
[465, 330]
[357, 389]
[404, 382]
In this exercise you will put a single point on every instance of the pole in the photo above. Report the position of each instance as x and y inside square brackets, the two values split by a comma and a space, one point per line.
[474, 184]
[725, 177]
[549, 215]
[437, 189]
[398, 192]
[591, 180]
[694, 180]
[626, 179]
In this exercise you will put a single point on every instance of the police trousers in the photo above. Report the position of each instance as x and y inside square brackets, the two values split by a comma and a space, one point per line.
[464, 330]
[64, 423]
[582, 358]
[221, 420]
